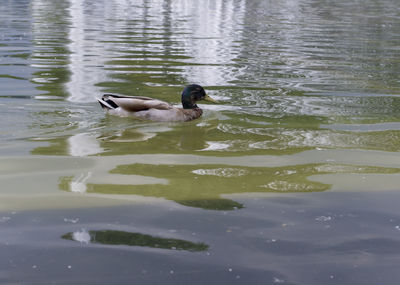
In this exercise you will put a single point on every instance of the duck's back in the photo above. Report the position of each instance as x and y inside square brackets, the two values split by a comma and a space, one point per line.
[136, 103]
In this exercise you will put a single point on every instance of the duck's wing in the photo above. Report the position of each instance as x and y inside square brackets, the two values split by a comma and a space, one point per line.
[133, 103]
[107, 96]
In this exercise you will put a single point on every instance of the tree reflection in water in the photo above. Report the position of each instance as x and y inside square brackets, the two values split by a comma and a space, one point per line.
[112, 237]
[203, 185]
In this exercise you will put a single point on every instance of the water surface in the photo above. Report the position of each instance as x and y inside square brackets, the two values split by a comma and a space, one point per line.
[291, 179]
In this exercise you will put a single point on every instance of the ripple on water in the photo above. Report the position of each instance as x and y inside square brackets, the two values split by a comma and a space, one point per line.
[222, 172]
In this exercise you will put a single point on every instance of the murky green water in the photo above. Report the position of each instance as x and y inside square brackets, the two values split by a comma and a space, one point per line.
[293, 178]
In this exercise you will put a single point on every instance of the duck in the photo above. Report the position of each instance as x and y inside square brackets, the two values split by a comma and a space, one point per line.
[156, 110]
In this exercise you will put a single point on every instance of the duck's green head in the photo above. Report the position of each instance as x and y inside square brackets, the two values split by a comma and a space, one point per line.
[193, 93]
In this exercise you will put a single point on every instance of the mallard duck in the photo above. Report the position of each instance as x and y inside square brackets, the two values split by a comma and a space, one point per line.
[156, 110]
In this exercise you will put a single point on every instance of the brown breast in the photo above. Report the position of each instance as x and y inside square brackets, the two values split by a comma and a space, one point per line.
[191, 114]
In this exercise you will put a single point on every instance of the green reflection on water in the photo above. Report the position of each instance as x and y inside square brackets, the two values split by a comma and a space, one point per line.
[202, 185]
[111, 237]
[211, 136]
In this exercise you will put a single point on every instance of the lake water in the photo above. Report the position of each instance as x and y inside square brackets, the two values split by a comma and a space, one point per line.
[293, 178]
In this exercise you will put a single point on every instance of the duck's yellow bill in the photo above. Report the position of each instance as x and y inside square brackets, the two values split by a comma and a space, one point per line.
[208, 98]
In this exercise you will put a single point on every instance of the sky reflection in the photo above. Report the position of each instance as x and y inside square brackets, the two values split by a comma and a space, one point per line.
[107, 41]
[86, 54]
